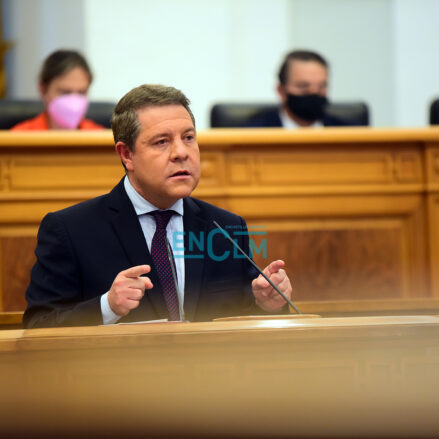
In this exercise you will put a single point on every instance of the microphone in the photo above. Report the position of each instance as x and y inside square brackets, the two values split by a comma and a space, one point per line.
[259, 270]
[174, 277]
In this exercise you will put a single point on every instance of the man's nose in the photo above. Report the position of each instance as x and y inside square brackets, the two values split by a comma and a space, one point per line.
[315, 89]
[318, 89]
[179, 150]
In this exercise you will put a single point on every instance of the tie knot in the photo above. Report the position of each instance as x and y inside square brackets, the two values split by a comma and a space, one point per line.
[162, 217]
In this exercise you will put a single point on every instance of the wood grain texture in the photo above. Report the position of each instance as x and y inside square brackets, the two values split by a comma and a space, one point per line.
[340, 264]
[18, 258]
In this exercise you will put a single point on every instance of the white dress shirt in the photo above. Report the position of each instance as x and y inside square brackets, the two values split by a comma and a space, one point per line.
[174, 231]
[289, 123]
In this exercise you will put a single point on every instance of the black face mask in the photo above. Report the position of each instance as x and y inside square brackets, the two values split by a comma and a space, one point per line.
[308, 107]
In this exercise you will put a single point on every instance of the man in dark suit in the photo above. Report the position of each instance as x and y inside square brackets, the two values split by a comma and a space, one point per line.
[302, 89]
[101, 261]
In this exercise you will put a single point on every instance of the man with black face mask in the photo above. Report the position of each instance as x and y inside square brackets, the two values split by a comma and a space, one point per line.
[302, 88]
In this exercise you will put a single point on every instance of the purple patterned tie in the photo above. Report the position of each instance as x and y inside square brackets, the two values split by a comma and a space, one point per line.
[160, 259]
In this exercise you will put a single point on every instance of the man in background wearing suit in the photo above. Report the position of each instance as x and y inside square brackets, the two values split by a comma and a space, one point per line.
[302, 89]
[103, 261]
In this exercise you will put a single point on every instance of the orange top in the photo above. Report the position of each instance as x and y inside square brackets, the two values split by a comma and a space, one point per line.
[41, 123]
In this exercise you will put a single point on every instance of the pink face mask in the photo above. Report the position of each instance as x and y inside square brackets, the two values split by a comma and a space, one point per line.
[68, 110]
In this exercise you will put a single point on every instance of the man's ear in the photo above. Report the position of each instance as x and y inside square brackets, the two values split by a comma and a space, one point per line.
[281, 92]
[125, 154]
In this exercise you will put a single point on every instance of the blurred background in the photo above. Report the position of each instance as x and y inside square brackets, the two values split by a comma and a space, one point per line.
[383, 52]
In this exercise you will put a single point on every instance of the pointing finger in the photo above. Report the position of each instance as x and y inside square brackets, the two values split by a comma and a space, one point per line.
[136, 271]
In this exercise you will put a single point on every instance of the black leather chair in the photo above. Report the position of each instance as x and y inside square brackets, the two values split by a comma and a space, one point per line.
[13, 111]
[434, 112]
[235, 115]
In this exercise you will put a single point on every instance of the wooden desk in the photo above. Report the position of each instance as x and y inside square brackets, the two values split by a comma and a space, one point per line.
[333, 377]
[353, 211]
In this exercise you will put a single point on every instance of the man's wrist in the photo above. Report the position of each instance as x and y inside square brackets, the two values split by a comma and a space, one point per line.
[108, 315]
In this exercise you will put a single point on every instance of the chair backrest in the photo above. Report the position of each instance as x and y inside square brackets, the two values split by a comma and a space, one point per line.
[236, 115]
[434, 112]
[101, 113]
[355, 112]
[13, 111]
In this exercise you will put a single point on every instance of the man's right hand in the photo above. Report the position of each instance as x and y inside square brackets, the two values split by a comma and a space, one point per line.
[128, 289]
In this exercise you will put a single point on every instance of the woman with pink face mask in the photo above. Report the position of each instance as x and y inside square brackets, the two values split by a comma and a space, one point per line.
[63, 85]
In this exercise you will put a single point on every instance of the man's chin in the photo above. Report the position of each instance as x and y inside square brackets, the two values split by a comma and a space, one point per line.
[182, 191]
[182, 194]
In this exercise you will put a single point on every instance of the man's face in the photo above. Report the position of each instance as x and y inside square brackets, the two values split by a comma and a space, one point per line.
[74, 81]
[165, 163]
[304, 77]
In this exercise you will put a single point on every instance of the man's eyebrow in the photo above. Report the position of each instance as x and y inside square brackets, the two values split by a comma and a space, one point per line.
[187, 130]
[168, 134]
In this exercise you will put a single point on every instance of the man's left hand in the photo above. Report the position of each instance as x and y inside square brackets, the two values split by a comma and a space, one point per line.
[266, 296]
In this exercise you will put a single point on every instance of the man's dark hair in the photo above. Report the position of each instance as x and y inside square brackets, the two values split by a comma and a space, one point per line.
[299, 55]
[125, 123]
[60, 62]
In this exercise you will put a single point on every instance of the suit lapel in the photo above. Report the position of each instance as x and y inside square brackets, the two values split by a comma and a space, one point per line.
[195, 258]
[129, 232]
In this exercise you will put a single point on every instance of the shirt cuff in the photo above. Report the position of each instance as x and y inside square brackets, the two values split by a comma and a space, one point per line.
[108, 316]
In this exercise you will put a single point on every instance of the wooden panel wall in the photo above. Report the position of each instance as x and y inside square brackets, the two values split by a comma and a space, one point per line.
[354, 212]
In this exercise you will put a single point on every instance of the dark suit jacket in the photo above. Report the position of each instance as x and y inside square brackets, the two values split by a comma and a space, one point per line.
[271, 119]
[81, 249]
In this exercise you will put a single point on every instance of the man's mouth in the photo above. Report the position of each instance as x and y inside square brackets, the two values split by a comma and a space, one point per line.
[181, 173]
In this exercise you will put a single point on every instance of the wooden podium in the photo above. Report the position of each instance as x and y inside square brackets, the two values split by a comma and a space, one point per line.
[316, 377]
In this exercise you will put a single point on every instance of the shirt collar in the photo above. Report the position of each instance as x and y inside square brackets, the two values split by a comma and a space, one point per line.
[142, 206]
[287, 122]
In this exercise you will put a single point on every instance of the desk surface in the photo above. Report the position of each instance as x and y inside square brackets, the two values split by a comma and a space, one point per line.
[319, 377]
[294, 326]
